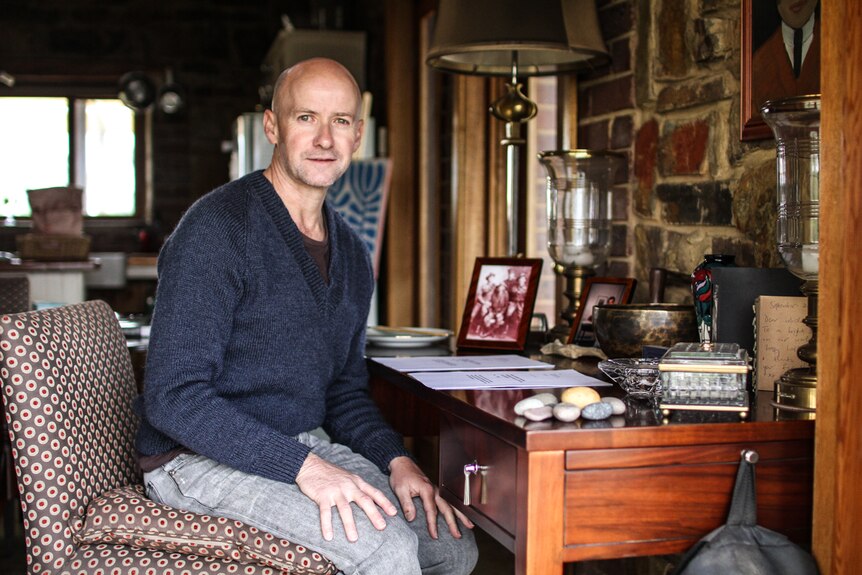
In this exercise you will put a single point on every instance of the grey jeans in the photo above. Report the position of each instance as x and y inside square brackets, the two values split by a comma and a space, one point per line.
[197, 483]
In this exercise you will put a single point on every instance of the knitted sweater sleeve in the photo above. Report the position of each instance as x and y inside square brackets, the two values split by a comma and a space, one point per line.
[353, 418]
[201, 271]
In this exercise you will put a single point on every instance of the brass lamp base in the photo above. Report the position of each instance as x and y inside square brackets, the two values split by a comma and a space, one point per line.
[575, 277]
[797, 388]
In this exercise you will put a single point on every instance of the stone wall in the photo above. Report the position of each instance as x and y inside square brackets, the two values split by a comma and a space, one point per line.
[670, 100]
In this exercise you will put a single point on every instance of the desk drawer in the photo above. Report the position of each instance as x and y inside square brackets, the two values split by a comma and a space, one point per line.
[493, 491]
[664, 499]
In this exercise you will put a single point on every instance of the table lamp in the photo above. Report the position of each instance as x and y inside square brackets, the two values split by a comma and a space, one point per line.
[515, 39]
[796, 124]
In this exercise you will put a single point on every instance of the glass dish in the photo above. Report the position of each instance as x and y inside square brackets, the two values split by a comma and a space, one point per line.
[637, 376]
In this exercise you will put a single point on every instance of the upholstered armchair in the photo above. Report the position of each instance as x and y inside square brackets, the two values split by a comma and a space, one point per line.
[67, 387]
[14, 298]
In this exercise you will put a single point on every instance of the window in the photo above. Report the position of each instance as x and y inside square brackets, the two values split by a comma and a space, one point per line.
[59, 141]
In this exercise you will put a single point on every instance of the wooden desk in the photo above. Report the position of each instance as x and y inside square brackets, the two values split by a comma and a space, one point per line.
[562, 492]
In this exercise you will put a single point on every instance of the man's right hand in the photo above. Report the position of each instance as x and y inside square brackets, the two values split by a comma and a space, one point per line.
[331, 486]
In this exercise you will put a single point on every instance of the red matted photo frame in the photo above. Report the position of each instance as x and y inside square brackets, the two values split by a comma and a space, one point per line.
[766, 67]
[598, 291]
[500, 304]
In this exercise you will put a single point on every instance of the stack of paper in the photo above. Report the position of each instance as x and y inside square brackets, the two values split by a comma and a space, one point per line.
[487, 372]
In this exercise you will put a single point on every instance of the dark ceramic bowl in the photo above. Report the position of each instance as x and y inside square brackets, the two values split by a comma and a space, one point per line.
[623, 330]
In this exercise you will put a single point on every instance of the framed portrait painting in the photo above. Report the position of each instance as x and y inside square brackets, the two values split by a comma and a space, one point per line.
[500, 303]
[780, 57]
[598, 291]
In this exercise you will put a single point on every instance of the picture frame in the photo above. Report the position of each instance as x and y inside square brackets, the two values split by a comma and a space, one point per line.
[598, 291]
[499, 306]
[766, 69]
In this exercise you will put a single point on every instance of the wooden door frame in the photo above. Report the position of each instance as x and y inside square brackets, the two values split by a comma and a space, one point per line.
[837, 498]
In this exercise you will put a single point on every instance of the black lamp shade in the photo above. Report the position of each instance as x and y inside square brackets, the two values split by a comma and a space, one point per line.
[546, 36]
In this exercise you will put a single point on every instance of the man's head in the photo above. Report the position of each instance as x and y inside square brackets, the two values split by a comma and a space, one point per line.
[314, 123]
[795, 13]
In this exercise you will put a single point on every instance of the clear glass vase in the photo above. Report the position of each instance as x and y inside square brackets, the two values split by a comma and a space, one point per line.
[579, 216]
[796, 125]
[579, 205]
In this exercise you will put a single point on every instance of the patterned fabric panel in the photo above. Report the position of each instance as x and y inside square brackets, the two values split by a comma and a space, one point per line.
[360, 197]
[68, 387]
[106, 559]
[124, 516]
[14, 294]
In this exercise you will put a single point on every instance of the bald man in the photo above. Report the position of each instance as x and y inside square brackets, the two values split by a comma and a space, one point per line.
[258, 339]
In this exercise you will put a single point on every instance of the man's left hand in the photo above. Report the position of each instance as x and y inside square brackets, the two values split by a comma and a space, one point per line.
[408, 481]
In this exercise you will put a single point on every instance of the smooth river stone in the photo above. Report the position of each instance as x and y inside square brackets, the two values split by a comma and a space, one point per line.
[539, 413]
[617, 404]
[526, 404]
[580, 396]
[546, 398]
[597, 410]
[566, 412]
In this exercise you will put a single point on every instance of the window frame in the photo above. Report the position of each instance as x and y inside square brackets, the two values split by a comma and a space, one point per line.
[78, 88]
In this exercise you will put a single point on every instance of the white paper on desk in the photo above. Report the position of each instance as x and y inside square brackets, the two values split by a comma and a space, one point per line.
[506, 379]
[460, 363]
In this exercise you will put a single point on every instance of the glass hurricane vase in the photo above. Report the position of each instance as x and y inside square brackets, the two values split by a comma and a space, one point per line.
[579, 219]
[796, 125]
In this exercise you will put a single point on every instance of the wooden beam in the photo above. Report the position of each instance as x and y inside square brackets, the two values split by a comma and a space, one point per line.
[838, 444]
[469, 184]
[402, 211]
[428, 256]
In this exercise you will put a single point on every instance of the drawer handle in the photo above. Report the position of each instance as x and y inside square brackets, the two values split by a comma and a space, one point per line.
[471, 469]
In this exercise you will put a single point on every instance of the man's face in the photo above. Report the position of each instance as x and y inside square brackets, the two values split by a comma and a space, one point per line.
[315, 127]
[796, 12]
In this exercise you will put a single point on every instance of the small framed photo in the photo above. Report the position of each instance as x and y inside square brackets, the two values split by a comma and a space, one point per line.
[500, 304]
[598, 291]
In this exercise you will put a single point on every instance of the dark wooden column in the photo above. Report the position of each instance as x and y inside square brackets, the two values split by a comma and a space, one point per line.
[838, 465]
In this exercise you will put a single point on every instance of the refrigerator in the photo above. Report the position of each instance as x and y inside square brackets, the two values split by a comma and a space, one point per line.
[251, 150]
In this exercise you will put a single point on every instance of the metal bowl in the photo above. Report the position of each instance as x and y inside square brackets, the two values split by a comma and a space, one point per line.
[623, 330]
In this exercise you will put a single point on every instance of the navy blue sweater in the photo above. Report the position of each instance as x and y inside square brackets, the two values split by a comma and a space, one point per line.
[249, 346]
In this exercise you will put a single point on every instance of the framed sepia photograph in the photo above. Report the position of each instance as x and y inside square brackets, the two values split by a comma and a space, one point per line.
[780, 57]
[598, 291]
[500, 303]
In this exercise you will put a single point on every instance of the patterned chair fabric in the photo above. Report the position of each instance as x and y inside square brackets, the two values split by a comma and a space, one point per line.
[68, 388]
[14, 298]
